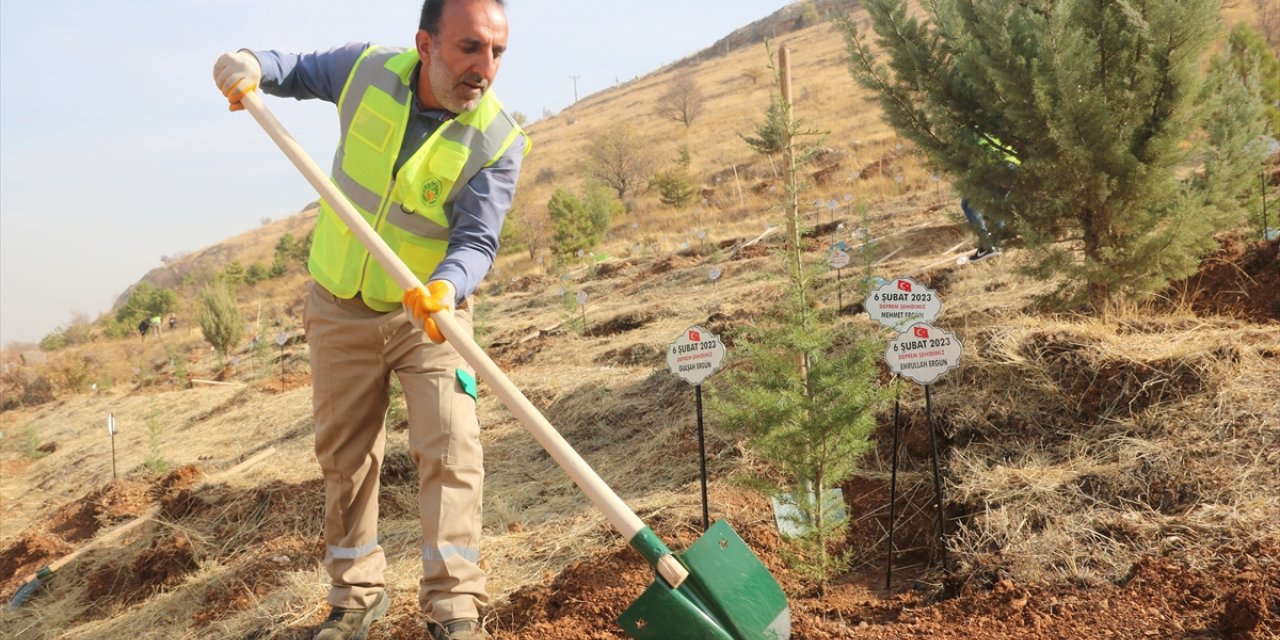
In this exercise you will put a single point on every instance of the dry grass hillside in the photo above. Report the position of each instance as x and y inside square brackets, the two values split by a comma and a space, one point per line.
[1104, 477]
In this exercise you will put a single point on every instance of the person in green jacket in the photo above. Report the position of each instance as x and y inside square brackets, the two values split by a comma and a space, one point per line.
[988, 247]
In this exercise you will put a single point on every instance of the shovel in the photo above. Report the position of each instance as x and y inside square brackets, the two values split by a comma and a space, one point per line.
[716, 590]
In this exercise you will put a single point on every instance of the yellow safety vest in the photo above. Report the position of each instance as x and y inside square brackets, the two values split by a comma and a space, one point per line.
[996, 146]
[409, 209]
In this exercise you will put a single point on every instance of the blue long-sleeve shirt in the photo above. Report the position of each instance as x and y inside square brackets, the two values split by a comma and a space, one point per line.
[478, 211]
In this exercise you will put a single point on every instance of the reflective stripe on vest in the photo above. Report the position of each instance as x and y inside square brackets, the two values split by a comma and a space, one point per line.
[411, 210]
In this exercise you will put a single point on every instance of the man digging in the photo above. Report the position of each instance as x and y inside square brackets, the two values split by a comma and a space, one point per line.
[439, 202]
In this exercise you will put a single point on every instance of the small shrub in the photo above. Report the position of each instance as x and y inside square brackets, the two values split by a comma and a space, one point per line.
[145, 301]
[219, 318]
[768, 138]
[179, 363]
[114, 329]
[37, 390]
[54, 341]
[256, 273]
[290, 250]
[31, 443]
[278, 268]
[75, 374]
[580, 223]
[155, 462]
[145, 377]
[674, 189]
[263, 350]
[233, 274]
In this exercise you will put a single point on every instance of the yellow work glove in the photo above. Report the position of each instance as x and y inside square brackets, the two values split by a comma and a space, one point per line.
[237, 73]
[420, 303]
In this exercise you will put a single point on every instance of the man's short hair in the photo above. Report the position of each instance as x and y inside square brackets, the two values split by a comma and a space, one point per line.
[431, 10]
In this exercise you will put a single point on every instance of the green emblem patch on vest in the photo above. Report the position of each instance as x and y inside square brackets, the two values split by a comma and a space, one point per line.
[431, 191]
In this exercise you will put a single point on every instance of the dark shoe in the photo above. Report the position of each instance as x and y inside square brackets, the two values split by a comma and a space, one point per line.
[457, 629]
[983, 254]
[352, 624]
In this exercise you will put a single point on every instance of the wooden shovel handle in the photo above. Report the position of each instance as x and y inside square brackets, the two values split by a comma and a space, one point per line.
[620, 516]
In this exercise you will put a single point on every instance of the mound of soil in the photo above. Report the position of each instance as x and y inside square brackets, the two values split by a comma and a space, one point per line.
[295, 376]
[120, 583]
[24, 557]
[672, 263]
[519, 353]
[631, 355]
[1235, 596]
[619, 324]
[72, 524]
[255, 577]
[1241, 279]
[1161, 598]
[1104, 385]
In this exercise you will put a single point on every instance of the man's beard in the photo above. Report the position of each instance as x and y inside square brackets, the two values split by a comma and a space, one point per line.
[442, 87]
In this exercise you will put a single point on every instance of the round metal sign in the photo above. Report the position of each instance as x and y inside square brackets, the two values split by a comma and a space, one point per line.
[695, 355]
[839, 259]
[902, 301]
[923, 353]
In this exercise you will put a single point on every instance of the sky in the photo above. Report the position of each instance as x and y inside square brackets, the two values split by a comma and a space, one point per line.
[116, 148]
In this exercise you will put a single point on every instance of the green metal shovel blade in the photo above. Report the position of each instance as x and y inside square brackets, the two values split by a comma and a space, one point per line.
[729, 595]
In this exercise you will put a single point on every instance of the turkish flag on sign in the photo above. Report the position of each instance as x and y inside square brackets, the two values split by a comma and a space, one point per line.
[695, 336]
[904, 285]
[921, 332]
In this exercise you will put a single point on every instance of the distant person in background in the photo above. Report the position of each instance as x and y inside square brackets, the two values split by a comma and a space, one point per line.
[988, 246]
[427, 150]
[173, 321]
[143, 328]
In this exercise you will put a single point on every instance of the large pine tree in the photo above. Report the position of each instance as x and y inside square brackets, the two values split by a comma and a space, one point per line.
[1111, 146]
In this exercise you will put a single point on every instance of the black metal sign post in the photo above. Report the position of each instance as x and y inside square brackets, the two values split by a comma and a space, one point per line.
[702, 454]
[893, 481]
[693, 357]
[937, 484]
[937, 481]
[921, 353]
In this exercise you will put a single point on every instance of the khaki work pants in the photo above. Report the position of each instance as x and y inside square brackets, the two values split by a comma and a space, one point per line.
[354, 349]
